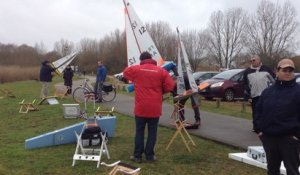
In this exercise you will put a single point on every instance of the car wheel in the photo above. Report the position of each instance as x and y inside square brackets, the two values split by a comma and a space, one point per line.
[229, 95]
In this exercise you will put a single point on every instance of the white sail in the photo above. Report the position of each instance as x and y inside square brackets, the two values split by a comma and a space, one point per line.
[189, 71]
[138, 38]
[63, 62]
[180, 78]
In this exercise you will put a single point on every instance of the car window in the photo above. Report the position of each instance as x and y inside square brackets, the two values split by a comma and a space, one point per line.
[237, 77]
[226, 75]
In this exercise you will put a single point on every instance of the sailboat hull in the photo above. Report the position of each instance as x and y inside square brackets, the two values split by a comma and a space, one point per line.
[67, 135]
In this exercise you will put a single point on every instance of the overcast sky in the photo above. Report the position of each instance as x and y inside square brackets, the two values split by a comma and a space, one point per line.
[35, 21]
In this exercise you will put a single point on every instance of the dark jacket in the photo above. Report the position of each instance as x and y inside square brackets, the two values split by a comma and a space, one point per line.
[278, 110]
[68, 75]
[45, 72]
[256, 81]
[150, 83]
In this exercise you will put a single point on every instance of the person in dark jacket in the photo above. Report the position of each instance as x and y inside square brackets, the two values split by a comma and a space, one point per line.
[182, 102]
[68, 76]
[277, 120]
[150, 83]
[256, 78]
[46, 74]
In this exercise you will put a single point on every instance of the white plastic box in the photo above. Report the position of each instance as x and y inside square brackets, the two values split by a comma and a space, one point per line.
[71, 110]
[257, 153]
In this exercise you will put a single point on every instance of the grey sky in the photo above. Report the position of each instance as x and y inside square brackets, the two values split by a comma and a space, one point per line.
[34, 21]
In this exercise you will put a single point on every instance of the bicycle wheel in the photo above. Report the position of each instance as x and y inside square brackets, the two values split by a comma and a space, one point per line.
[109, 96]
[78, 94]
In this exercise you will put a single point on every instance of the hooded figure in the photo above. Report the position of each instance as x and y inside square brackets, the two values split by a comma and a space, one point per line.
[68, 76]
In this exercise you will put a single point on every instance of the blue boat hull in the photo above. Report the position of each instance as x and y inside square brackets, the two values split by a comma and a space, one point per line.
[67, 135]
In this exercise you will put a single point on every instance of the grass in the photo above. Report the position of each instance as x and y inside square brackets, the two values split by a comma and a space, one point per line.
[207, 157]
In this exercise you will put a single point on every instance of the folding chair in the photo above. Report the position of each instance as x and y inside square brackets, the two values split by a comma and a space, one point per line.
[91, 153]
[26, 107]
[180, 128]
[122, 168]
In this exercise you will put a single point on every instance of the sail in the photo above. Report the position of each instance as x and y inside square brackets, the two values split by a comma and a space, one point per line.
[189, 71]
[137, 37]
[63, 62]
[180, 78]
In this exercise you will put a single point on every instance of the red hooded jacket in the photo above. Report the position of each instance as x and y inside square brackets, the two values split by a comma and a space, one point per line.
[150, 83]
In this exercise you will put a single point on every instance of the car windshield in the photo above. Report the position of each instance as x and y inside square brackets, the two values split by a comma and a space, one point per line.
[196, 75]
[226, 75]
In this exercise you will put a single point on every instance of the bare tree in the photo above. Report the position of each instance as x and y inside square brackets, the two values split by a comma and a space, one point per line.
[271, 31]
[195, 43]
[63, 47]
[164, 38]
[226, 33]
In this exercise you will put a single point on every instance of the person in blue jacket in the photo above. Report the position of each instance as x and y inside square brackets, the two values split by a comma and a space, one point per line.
[277, 120]
[100, 79]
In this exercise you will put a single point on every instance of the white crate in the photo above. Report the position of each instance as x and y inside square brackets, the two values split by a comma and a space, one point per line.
[257, 153]
[71, 110]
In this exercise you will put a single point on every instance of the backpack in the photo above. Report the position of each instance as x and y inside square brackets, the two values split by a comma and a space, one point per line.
[91, 135]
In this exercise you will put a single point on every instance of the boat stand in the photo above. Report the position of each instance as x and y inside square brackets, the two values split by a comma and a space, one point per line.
[26, 107]
[122, 168]
[180, 128]
[92, 153]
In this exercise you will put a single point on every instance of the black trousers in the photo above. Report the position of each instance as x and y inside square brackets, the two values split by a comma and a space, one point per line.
[194, 106]
[253, 104]
[281, 148]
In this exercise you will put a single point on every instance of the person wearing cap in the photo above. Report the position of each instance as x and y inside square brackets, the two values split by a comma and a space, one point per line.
[150, 83]
[256, 78]
[46, 74]
[277, 120]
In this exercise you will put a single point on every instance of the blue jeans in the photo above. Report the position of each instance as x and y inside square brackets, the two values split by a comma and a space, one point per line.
[140, 124]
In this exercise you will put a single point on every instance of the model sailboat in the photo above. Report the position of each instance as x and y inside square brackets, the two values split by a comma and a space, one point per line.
[63, 62]
[138, 40]
[181, 90]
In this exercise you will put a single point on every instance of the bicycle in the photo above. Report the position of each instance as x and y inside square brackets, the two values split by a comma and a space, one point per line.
[86, 91]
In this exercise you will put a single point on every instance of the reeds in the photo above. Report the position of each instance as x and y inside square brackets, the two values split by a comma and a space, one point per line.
[17, 73]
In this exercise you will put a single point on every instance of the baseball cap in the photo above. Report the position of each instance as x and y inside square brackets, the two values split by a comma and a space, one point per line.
[286, 63]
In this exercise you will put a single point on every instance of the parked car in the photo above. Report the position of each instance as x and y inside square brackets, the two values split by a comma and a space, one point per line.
[227, 85]
[201, 76]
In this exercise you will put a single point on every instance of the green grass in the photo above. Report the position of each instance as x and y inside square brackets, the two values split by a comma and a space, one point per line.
[207, 157]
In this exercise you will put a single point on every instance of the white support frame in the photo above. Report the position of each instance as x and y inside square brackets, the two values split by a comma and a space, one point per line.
[90, 154]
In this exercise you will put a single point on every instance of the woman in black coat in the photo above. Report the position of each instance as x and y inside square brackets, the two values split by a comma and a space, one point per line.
[68, 75]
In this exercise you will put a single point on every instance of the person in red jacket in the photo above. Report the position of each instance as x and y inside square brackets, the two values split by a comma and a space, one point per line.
[150, 83]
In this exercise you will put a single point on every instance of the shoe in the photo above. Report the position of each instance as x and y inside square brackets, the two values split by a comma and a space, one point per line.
[135, 159]
[98, 101]
[193, 126]
[151, 160]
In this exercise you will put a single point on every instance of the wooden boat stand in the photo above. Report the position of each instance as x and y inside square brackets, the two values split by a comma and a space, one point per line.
[26, 107]
[122, 168]
[99, 112]
[180, 128]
